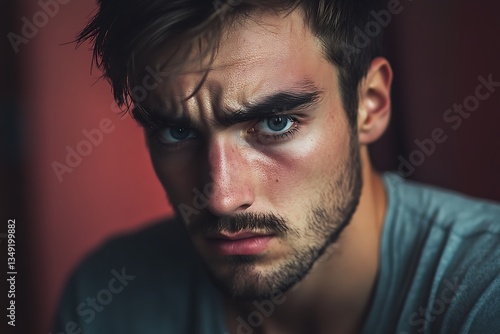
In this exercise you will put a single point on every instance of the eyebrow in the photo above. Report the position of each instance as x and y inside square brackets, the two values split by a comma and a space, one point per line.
[278, 103]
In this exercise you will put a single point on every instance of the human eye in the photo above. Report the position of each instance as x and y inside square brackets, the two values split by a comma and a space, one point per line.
[174, 135]
[275, 127]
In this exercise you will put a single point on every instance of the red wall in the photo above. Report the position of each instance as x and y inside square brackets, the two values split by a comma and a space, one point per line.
[112, 189]
[438, 49]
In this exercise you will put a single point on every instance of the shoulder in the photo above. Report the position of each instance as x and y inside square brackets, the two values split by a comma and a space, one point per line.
[474, 300]
[449, 257]
[436, 228]
[159, 242]
[445, 209]
[159, 249]
[137, 282]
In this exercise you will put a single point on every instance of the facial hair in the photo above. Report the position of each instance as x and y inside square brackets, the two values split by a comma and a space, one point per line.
[326, 219]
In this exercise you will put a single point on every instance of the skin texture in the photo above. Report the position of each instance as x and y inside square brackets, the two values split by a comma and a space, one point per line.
[247, 172]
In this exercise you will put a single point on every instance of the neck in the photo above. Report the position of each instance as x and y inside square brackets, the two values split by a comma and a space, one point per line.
[335, 296]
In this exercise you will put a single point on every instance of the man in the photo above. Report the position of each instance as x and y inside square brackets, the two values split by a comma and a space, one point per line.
[258, 115]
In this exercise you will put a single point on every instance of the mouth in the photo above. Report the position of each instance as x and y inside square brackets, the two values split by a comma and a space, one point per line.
[241, 243]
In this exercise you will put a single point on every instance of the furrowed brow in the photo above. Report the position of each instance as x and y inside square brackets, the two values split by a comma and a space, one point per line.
[305, 96]
[154, 119]
[271, 105]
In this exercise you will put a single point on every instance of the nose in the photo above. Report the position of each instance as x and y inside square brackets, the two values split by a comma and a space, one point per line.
[230, 173]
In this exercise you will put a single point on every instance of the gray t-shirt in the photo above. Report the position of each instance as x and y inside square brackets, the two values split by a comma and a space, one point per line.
[439, 273]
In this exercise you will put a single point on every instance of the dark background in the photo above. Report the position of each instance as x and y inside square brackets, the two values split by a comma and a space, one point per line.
[438, 50]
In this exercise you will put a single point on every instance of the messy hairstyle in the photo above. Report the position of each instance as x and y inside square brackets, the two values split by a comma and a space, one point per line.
[126, 34]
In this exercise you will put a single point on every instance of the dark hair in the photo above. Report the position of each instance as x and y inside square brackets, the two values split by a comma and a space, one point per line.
[125, 33]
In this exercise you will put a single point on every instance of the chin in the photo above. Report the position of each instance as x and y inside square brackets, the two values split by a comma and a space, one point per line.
[244, 278]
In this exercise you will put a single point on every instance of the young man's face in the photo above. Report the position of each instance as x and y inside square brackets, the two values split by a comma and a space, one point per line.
[261, 164]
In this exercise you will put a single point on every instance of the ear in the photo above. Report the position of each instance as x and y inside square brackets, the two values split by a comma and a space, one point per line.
[374, 101]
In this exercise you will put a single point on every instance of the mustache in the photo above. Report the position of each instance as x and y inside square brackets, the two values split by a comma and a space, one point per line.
[262, 222]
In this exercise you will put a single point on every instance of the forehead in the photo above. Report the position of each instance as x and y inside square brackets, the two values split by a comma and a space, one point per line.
[258, 55]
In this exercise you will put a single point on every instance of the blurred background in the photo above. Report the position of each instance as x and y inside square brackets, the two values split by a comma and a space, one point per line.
[51, 102]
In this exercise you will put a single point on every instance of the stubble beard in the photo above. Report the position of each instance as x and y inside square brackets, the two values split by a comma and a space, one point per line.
[326, 220]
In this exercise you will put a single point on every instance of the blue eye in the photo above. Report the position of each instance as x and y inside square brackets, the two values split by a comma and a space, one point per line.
[275, 124]
[172, 135]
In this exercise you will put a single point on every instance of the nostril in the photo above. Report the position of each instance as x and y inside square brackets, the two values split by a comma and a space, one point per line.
[229, 198]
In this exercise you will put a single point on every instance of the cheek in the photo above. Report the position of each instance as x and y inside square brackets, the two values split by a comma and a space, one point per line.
[295, 174]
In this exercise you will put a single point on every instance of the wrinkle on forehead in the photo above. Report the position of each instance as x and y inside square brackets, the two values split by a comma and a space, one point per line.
[263, 54]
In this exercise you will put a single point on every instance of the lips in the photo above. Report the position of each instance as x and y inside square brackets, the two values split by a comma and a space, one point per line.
[241, 243]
